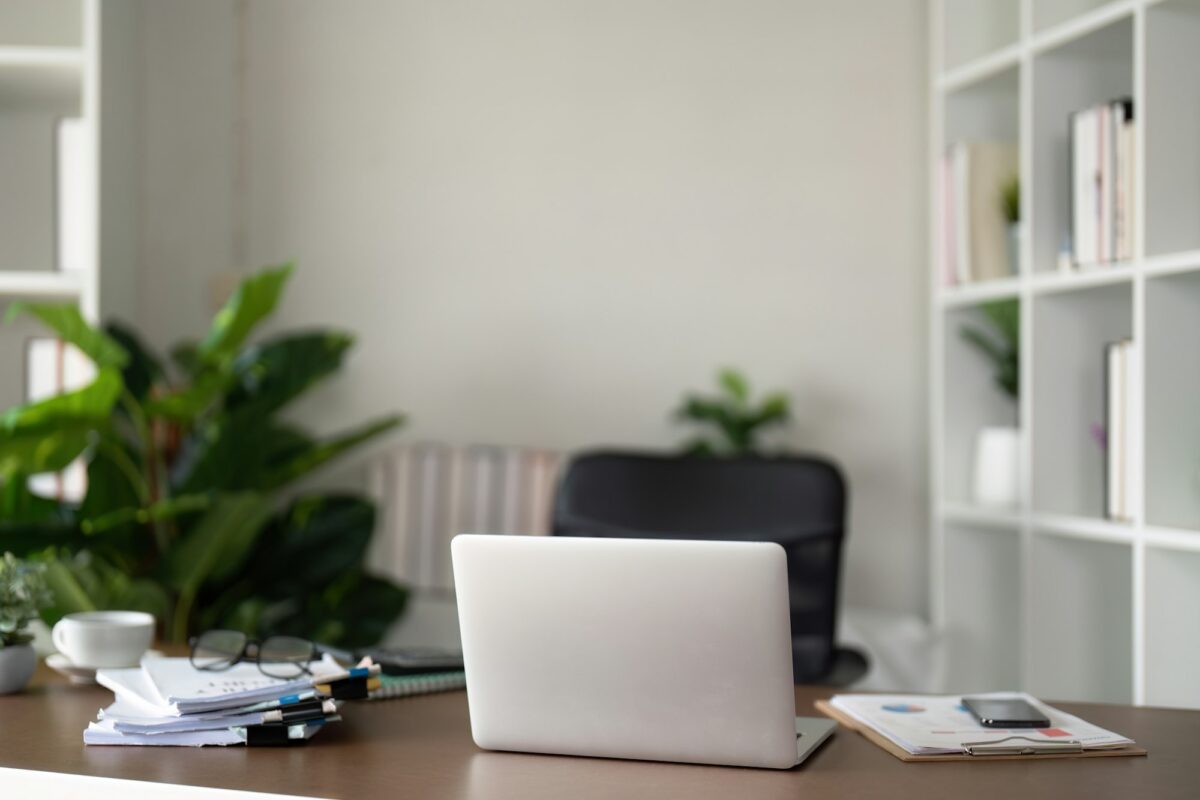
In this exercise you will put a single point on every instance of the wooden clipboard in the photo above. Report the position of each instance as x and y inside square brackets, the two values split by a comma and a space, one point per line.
[848, 722]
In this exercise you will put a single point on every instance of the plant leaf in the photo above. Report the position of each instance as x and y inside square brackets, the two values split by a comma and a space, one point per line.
[92, 403]
[144, 370]
[70, 596]
[185, 405]
[272, 374]
[65, 320]
[34, 451]
[219, 543]
[326, 451]
[734, 384]
[318, 538]
[253, 301]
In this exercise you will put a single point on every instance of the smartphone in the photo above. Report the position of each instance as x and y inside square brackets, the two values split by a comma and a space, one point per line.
[1000, 713]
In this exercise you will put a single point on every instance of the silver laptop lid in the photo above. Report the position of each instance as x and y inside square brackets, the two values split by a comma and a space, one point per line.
[648, 649]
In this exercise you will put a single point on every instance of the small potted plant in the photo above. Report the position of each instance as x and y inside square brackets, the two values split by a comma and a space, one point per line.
[730, 422]
[997, 447]
[22, 594]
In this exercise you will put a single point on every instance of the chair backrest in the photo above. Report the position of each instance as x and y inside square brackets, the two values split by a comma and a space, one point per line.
[798, 502]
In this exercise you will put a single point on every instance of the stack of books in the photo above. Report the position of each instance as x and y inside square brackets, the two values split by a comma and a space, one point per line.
[975, 243]
[167, 701]
[1102, 180]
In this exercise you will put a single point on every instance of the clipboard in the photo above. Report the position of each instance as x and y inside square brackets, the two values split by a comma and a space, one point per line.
[899, 752]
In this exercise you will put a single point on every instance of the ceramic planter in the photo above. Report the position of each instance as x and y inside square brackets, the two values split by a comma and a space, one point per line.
[16, 667]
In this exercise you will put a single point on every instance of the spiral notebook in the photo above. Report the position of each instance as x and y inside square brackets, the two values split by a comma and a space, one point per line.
[392, 686]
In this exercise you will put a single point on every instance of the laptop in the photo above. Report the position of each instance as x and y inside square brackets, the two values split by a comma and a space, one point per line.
[664, 650]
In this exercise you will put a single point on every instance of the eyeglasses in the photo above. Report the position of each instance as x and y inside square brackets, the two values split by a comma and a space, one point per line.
[283, 657]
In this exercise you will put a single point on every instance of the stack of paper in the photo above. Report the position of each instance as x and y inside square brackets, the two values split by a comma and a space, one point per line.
[925, 725]
[167, 701]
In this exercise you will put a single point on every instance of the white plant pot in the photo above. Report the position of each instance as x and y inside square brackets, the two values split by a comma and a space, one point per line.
[997, 458]
[16, 667]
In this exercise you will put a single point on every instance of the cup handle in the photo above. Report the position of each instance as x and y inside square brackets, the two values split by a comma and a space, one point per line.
[56, 636]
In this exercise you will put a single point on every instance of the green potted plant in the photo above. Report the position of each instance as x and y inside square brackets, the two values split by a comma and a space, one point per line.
[1010, 204]
[730, 423]
[997, 447]
[192, 512]
[23, 594]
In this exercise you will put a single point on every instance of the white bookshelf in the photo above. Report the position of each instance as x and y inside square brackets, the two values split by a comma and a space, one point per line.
[65, 59]
[1050, 596]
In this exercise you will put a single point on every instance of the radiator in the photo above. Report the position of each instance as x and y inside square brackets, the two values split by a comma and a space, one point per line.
[429, 493]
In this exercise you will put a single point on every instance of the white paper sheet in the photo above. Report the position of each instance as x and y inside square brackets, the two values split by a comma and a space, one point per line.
[929, 725]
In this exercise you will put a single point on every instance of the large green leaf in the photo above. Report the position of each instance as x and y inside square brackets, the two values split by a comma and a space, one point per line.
[235, 451]
[69, 324]
[144, 370]
[187, 404]
[270, 375]
[29, 452]
[85, 582]
[218, 544]
[326, 451]
[316, 539]
[355, 611]
[25, 538]
[215, 549]
[110, 487]
[70, 594]
[253, 301]
[93, 403]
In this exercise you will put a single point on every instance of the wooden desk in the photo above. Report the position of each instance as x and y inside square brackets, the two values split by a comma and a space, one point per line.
[421, 748]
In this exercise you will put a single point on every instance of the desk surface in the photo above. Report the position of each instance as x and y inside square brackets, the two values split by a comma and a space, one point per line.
[421, 747]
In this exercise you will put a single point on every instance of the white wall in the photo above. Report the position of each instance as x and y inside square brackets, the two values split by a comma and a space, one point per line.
[547, 218]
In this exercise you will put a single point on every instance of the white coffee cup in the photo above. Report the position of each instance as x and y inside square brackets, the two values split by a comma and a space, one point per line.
[104, 638]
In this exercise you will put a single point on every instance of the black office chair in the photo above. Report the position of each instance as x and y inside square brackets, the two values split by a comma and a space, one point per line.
[798, 502]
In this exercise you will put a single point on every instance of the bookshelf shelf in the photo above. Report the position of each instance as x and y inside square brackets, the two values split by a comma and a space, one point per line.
[1091, 529]
[981, 292]
[981, 516]
[1075, 579]
[1175, 539]
[981, 69]
[1172, 263]
[1054, 282]
[1077, 19]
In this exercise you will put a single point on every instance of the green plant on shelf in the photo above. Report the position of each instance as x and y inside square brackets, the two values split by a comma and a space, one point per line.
[730, 422]
[1000, 342]
[23, 594]
[187, 467]
[1010, 200]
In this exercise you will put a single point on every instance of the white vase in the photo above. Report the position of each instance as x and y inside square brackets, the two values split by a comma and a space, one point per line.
[16, 667]
[997, 457]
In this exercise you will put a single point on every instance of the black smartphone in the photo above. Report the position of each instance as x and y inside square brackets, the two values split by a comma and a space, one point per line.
[993, 713]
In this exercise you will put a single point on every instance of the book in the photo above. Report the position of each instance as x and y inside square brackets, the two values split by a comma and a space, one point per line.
[393, 686]
[1119, 358]
[1102, 183]
[975, 244]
